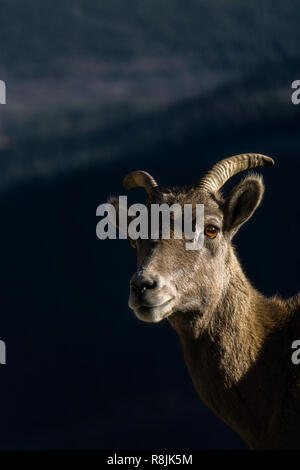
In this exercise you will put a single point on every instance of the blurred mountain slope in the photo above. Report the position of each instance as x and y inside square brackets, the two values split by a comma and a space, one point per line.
[243, 33]
[139, 54]
[82, 136]
[95, 90]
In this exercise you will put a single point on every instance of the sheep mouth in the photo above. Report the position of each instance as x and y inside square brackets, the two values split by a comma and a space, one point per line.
[158, 305]
[154, 313]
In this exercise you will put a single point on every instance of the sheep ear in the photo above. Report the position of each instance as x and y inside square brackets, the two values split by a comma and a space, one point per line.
[118, 217]
[115, 216]
[242, 203]
[121, 219]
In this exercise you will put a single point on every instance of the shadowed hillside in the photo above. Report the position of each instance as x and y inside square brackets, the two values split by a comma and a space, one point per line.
[92, 375]
[99, 89]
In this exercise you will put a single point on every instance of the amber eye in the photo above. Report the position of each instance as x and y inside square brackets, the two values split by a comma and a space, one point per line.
[211, 231]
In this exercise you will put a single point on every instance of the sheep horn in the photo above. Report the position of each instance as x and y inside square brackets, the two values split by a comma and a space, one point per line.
[225, 169]
[140, 178]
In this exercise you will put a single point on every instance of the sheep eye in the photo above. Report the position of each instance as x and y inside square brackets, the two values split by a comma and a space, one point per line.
[211, 231]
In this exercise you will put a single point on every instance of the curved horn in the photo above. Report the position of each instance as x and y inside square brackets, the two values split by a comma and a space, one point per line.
[140, 178]
[225, 169]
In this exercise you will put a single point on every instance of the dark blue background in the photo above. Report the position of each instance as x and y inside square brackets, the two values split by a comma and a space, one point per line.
[95, 90]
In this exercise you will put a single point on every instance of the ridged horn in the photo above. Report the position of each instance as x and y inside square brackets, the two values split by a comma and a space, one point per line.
[225, 169]
[140, 178]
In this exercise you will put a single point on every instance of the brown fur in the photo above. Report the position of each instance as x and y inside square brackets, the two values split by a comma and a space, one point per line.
[236, 342]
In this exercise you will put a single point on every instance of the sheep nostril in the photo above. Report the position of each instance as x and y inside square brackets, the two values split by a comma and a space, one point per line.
[134, 287]
[150, 285]
[141, 285]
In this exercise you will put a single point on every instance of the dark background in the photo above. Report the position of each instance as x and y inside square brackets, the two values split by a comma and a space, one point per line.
[96, 89]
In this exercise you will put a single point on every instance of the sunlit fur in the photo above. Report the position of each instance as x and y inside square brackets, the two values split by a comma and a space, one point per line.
[236, 342]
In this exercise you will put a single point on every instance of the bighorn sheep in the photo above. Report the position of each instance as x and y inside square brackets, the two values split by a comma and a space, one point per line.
[236, 342]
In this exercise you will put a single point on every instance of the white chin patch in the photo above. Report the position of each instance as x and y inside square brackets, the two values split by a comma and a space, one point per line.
[153, 314]
[149, 317]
